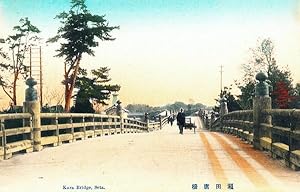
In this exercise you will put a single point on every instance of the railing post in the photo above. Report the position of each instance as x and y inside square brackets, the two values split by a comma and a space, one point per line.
[147, 122]
[101, 120]
[109, 120]
[94, 126]
[57, 131]
[27, 122]
[120, 113]
[84, 128]
[223, 107]
[115, 125]
[31, 131]
[32, 106]
[160, 122]
[223, 111]
[261, 101]
[3, 142]
[72, 128]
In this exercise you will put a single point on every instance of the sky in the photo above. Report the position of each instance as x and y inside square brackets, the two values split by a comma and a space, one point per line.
[169, 50]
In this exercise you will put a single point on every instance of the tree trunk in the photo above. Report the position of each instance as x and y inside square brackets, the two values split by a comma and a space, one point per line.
[68, 95]
[15, 92]
[69, 88]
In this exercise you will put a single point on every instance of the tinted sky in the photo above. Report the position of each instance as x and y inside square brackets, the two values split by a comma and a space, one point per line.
[171, 50]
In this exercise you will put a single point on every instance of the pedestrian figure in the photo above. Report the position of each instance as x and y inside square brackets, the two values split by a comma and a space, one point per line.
[171, 119]
[206, 121]
[180, 120]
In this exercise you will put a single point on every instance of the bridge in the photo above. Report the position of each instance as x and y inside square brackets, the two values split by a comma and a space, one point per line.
[249, 150]
[134, 159]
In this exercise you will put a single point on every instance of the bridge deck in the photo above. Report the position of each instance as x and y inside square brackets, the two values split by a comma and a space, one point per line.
[158, 161]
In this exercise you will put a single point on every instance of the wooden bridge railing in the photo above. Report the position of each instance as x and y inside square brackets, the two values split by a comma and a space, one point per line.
[279, 131]
[17, 130]
[18, 137]
[274, 130]
[239, 123]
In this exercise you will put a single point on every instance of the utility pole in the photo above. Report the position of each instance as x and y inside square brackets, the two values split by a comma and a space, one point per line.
[221, 80]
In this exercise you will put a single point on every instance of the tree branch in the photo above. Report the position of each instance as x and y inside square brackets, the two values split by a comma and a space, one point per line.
[6, 92]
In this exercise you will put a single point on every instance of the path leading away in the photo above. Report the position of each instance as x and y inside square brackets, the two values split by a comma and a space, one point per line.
[160, 161]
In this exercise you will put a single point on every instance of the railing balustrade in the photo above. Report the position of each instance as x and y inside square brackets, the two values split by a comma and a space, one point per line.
[279, 131]
[16, 134]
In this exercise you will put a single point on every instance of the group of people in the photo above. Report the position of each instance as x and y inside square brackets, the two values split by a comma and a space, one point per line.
[180, 120]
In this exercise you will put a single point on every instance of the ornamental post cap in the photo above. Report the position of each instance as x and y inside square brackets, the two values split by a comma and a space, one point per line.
[261, 76]
[31, 82]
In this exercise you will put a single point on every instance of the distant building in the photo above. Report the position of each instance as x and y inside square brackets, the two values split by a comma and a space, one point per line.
[138, 116]
[164, 113]
[113, 110]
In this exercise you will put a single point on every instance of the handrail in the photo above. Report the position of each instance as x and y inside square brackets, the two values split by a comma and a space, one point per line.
[283, 112]
[59, 128]
[15, 116]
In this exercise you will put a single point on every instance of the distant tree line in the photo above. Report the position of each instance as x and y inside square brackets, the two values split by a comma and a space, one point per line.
[143, 108]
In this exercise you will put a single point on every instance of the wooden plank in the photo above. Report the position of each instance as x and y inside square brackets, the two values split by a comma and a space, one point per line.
[295, 157]
[89, 133]
[280, 130]
[265, 142]
[65, 126]
[78, 135]
[89, 124]
[15, 116]
[66, 137]
[280, 149]
[48, 127]
[18, 146]
[77, 125]
[49, 140]
[98, 123]
[1, 151]
[17, 131]
[295, 135]
[98, 132]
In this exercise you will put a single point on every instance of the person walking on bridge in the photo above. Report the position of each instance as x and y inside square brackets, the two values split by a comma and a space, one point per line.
[171, 119]
[180, 120]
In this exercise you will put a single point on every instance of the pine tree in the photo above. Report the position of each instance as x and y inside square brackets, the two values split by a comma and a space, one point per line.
[94, 90]
[78, 35]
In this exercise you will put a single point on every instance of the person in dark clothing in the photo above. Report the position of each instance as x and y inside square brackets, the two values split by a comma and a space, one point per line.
[180, 120]
[171, 119]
